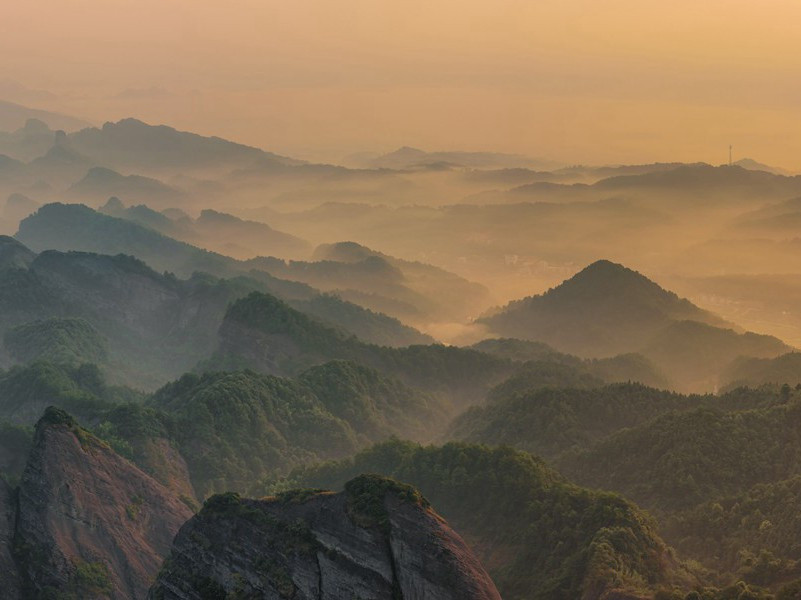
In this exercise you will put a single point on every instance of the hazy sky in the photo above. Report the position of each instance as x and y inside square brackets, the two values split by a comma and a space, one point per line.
[574, 80]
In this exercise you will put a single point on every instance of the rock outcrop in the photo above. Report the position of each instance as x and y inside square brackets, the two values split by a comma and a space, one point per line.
[90, 524]
[377, 540]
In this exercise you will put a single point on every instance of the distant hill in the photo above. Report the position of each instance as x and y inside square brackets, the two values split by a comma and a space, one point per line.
[764, 371]
[607, 309]
[696, 354]
[441, 294]
[14, 255]
[682, 183]
[214, 230]
[753, 165]
[28, 141]
[603, 310]
[545, 367]
[253, 237]
[130, 143]
[13, 116]
[263, 333]
[100, 183]
[410, 158]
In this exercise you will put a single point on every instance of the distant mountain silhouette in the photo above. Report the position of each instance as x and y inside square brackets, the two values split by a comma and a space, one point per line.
[723, 183]
[100, 183]
[27, 142]
[409, 158]
[13, 116]
[603, 310]
[753, 165]
[214, 230]
[131, 143]
[608, 309]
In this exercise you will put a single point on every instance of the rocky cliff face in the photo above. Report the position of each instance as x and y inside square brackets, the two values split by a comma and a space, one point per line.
[378, 540]
[9, 575]
[89, 523]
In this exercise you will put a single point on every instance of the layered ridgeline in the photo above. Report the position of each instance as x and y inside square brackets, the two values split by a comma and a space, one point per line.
[537, 535]
[145, 327]
[607, 309]
[214, 230]
[400, 288]
[378, 539]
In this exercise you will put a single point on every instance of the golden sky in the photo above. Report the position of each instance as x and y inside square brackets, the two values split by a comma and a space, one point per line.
[598, 81]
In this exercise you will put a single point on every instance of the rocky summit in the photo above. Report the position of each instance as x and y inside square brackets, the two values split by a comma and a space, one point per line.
[377, 540]
[88, 522]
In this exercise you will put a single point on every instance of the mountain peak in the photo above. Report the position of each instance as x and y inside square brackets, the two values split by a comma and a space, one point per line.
[604, 309]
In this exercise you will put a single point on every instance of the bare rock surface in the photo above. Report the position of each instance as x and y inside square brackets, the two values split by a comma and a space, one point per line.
[90, 524]
[378, 540]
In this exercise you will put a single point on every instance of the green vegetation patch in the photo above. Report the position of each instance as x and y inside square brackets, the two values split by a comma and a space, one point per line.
[366, 496]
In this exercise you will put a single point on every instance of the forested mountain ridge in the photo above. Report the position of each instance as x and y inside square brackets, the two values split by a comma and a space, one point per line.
[538, 536]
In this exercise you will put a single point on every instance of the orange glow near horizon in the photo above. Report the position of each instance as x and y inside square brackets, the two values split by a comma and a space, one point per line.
[571, 80]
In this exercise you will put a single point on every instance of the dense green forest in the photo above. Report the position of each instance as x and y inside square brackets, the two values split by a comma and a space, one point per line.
[537, 534]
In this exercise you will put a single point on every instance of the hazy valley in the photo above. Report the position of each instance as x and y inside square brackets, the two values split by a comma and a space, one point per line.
[229, 373]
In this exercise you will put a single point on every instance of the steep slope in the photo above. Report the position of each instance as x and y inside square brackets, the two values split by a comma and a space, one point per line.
[14, 255]
[89, 522]
[538, 536]
[603, 310]
[379, 539]
[9, 572]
